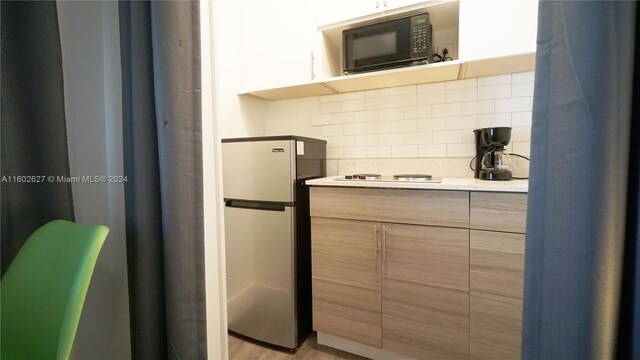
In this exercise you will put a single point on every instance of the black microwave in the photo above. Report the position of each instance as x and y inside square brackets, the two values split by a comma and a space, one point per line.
[394, 43]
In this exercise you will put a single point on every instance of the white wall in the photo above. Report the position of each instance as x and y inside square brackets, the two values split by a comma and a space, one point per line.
[91, 64]
[215, 275]
[416, 128]
[239, 115]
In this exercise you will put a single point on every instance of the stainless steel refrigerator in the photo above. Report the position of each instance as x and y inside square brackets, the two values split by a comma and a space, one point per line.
[268, 239]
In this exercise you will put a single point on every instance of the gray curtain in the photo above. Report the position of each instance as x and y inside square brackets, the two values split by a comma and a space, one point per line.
[33, 127]
[160, 50]
[580, 297]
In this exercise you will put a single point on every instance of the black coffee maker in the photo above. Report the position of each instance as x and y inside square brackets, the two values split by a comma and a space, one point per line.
[492, 161]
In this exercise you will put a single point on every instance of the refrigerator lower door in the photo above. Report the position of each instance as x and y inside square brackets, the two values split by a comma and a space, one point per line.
[260, 250]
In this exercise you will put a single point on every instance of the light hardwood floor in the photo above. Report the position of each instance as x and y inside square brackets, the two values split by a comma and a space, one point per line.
[243, 349]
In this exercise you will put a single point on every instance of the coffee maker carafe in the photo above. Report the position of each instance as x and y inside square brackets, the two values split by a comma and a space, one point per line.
[492, 161]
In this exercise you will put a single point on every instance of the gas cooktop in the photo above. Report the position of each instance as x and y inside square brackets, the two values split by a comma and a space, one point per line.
[424, 178]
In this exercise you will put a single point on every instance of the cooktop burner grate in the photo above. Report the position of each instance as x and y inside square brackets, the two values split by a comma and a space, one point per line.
[363, 176]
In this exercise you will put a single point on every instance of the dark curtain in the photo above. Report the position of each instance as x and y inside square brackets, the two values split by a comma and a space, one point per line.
[581, 247]
[160, 50]
[34, 136]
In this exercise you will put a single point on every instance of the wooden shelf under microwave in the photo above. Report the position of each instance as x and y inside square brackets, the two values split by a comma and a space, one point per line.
[446, 71]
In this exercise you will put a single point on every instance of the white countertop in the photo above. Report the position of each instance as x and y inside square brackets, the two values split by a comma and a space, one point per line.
[467, 184]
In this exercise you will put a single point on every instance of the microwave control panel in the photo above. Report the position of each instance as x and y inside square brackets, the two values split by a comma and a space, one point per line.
[420, 36]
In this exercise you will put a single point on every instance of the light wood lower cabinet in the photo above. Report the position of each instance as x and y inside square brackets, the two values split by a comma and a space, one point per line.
[402, 288]
[497, 266]
[425, 291]
[346, 279]
[424, 274]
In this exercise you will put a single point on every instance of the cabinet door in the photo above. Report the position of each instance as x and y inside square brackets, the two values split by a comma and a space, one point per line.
[425, 304]
[276, 42]
[497, 266]
[497, 28]
[333, 11]
[346, 279]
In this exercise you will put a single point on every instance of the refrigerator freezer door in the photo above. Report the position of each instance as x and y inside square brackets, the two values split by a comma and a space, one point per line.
[259, 170]
[260, 278]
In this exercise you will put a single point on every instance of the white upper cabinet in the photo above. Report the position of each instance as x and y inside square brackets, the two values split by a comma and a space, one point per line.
[494, 28]
[277, 39]
[336, 11]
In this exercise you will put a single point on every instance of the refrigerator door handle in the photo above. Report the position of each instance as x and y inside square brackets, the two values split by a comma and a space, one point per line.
[256, 205]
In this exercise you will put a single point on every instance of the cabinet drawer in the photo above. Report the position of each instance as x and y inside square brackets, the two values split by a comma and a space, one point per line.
[422, 207]
[499, 211]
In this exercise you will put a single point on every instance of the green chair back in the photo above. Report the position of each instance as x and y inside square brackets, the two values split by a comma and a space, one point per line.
[43, 290]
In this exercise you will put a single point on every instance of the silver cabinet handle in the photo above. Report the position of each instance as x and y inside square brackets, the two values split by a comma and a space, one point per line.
[384, 242]
[313, 59]
[375, 233]
[377, 4]
[384, 3]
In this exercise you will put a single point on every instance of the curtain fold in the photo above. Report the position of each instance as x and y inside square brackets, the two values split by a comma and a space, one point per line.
[33, 125]
[579, 190]
[163, 161]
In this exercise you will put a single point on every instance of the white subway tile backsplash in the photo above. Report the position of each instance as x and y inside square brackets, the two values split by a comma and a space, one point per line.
[522, 89]
[320, 119]
[494, 91]
[354, 129]
[417, 112]
[494, 120]
[340, 141]
[432, 124]
[367, 140]
[494, 80]
[377, 93]
[433, 150]
[410, 89]
[434, 120]
[391, 114]
[458, 84]
[374, 103]
[403, 151]
[354, 152]
[404, 126]
[366, 116]
[379, 127]
[468, 136]
[392, 139]
[432, 97]
[521, 134]
[342, 118]
[402, 100]
[513, 104]
[378, 151]
[331, 130]
[463, 94]
[439, 110]
[353, 105]
[522, 76]
[521, 118]
[447, 137]
[333, 97]
[353, 95]
[421, 137]
[478, 107]
[431, 87]
[330, 107]
[334, 153]
[461, 150]
[462, 122]
[522, 147]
